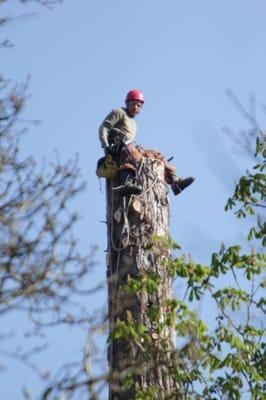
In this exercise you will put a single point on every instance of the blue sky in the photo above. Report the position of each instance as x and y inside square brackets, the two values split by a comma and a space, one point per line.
[83, 57]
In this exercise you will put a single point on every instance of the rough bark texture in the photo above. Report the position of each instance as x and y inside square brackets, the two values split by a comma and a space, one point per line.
[137, 228]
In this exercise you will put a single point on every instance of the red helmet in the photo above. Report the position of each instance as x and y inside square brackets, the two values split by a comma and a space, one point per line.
[136, 95]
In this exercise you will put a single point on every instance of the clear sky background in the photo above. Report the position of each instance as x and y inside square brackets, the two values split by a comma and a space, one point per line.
[83, 57]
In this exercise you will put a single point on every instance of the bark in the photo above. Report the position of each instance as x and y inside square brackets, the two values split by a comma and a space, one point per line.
[137, 230]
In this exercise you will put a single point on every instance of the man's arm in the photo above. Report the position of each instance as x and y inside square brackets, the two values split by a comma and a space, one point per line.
[108, 124]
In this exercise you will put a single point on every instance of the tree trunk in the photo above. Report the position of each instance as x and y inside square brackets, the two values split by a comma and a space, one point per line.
[138, 227]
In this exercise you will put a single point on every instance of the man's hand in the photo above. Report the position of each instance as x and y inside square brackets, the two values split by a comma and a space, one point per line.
[107, 150]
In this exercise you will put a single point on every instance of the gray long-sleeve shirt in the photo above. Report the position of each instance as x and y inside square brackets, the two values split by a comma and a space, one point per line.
[118, 119]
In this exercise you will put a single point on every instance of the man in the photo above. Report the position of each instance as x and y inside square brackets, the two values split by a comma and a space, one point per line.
[117, 134]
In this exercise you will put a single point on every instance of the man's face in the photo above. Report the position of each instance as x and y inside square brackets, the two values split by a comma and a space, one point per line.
[134, 107]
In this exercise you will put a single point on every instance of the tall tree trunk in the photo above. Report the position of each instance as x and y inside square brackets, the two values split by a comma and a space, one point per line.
[137, 230]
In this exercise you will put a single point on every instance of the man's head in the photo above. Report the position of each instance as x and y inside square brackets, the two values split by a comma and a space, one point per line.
[134, 102]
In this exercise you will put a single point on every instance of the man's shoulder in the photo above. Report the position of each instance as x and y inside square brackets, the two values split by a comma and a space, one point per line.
[116, 113]
[119, 111]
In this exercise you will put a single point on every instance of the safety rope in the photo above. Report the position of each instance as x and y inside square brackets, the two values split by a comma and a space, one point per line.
[149, 172]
